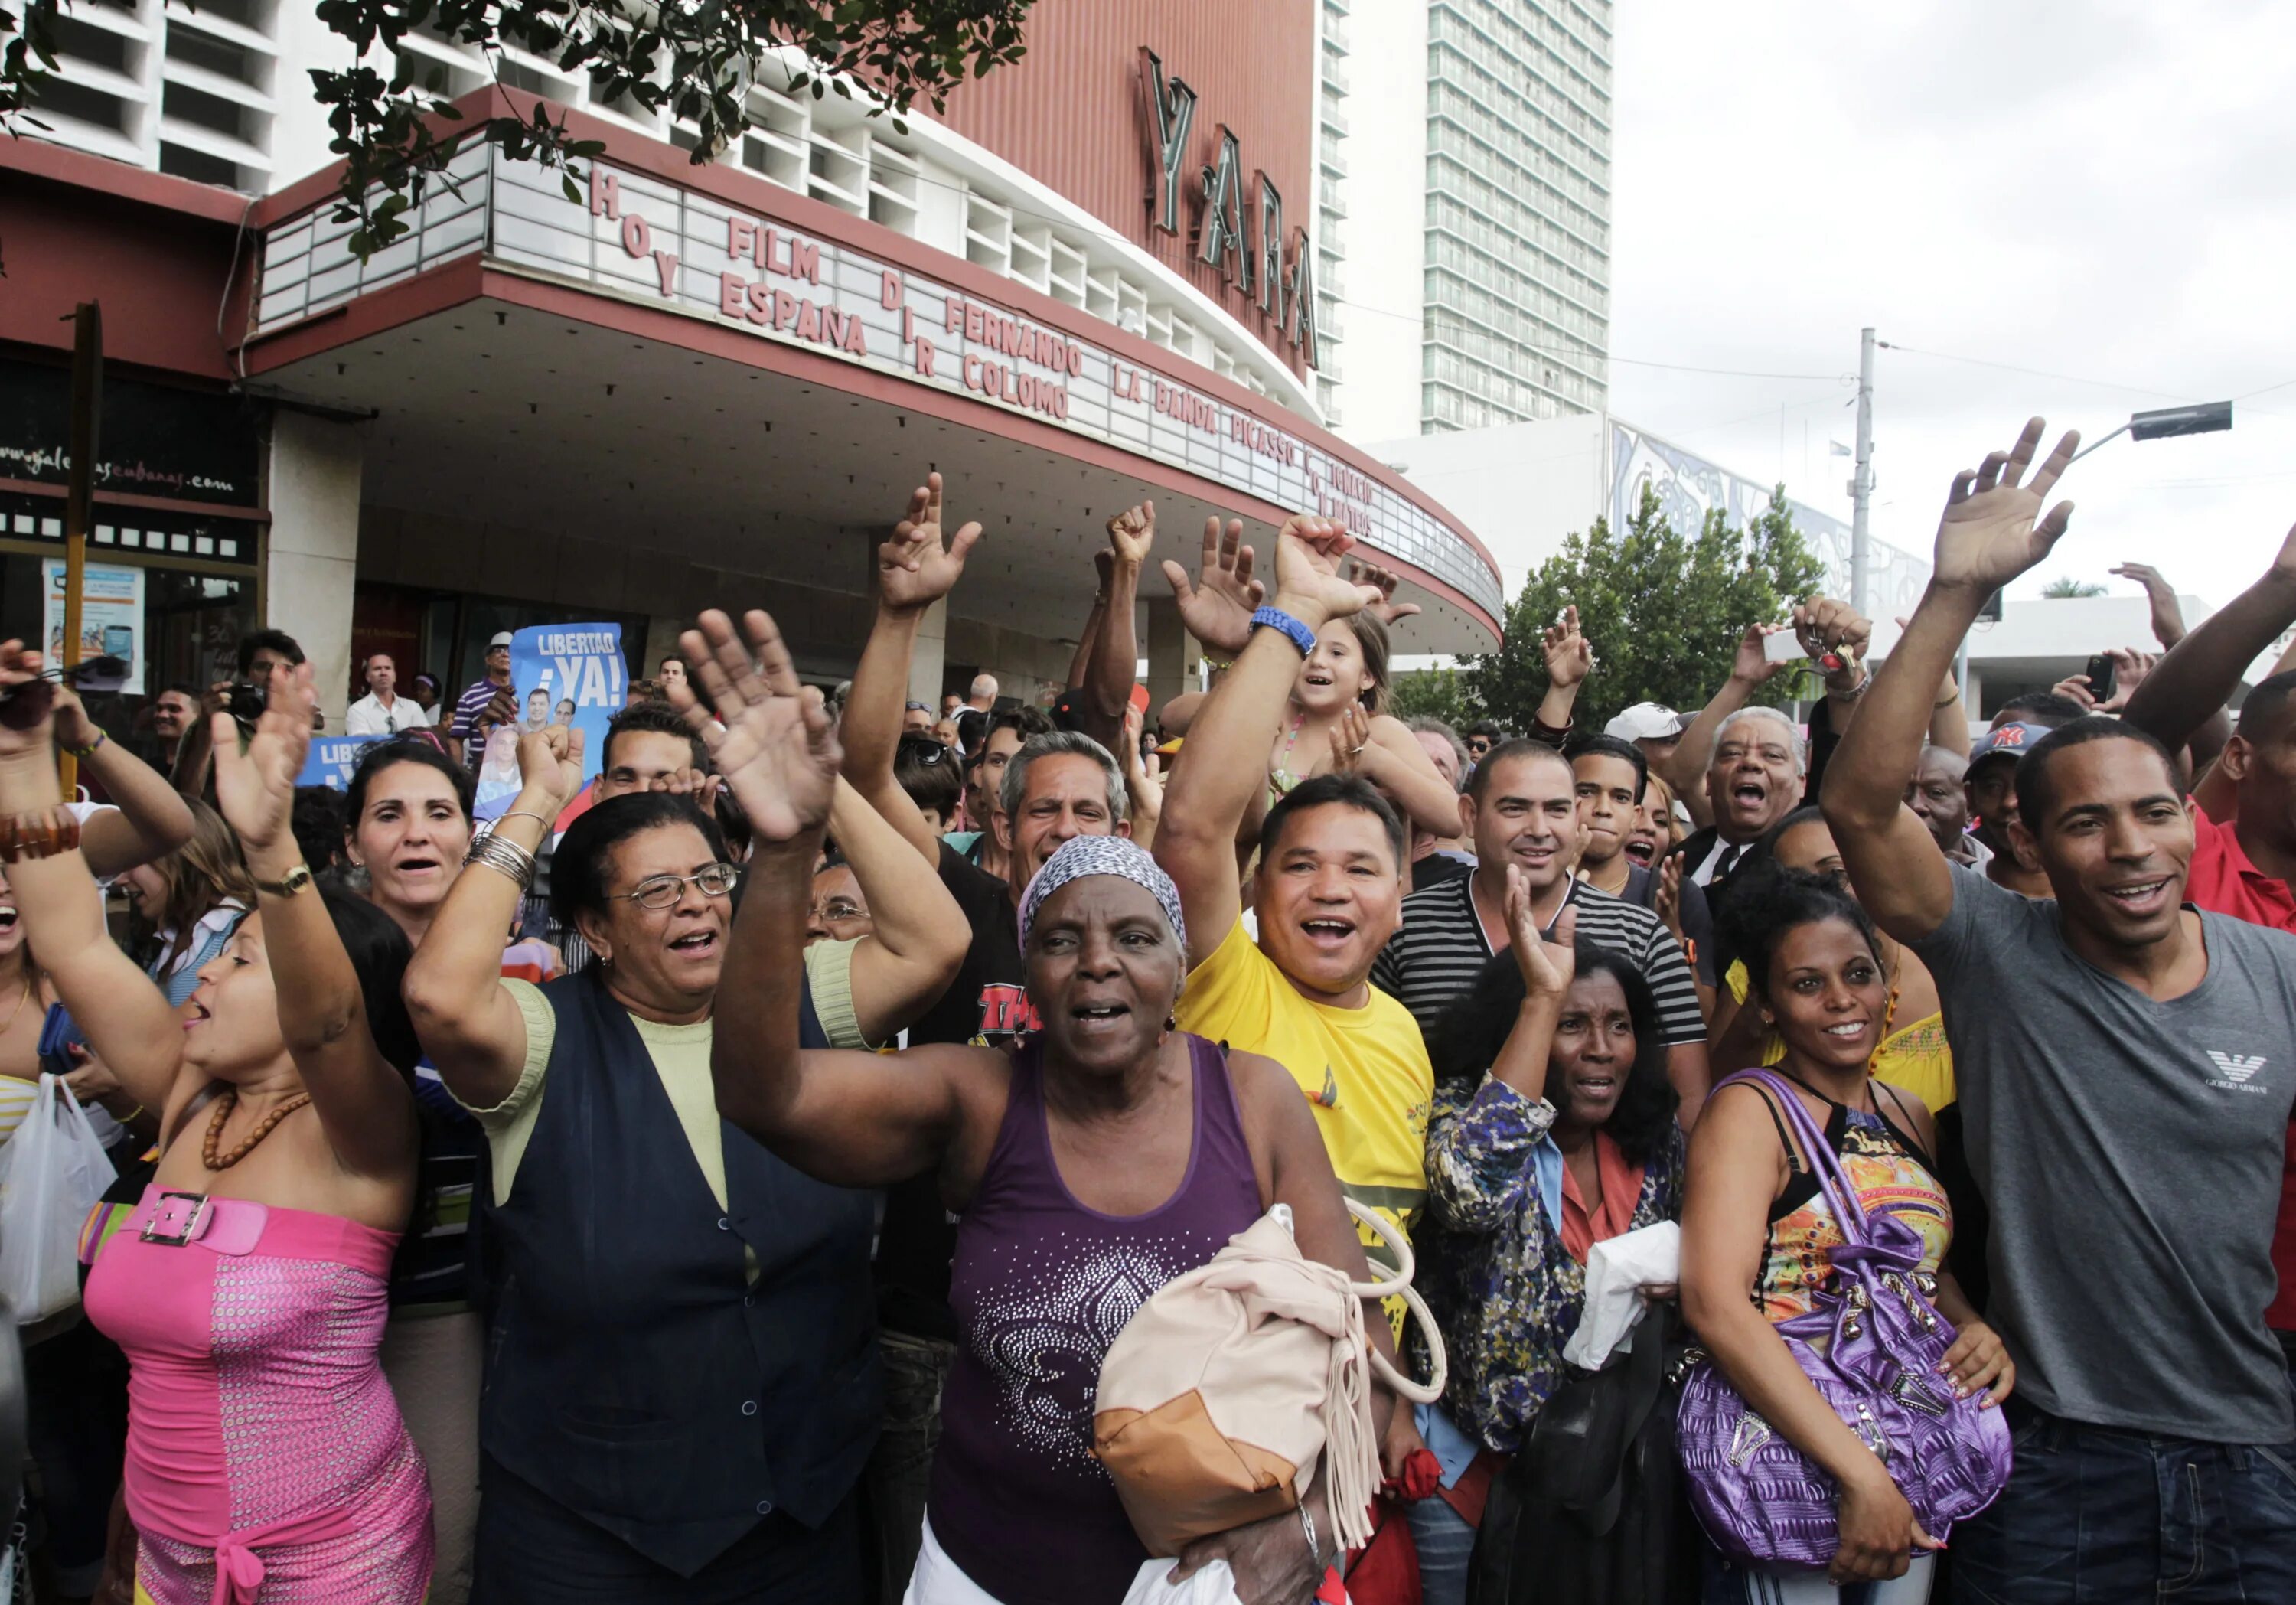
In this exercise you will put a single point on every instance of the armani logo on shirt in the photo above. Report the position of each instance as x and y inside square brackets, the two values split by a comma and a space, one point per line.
[2239, 1069]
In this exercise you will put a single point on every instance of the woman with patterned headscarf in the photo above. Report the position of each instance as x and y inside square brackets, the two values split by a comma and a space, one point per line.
[1109, 1153]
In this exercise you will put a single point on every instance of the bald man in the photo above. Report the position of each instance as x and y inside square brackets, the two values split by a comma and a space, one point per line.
[984, 693]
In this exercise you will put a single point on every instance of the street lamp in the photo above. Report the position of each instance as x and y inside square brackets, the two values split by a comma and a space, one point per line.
[2203, 418]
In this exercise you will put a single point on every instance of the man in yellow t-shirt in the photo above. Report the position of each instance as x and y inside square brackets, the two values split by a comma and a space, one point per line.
[1328, 891]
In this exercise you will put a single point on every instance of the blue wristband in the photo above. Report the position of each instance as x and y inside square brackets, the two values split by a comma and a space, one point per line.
[1298, 634]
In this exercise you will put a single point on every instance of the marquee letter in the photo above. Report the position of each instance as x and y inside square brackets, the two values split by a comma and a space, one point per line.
[1223, 243]
[1271, 251]
[1171, 112]
[1302, 326]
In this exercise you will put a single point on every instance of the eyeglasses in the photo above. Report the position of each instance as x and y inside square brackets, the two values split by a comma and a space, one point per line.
[923, 749]
[838, 910]
[663, 891]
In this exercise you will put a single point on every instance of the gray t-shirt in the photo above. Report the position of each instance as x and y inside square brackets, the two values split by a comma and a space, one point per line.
[2131, 1151]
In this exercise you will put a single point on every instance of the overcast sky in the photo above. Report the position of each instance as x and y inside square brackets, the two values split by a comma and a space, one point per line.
[2100, 191]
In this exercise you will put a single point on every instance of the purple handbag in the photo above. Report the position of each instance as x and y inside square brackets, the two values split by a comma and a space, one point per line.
[1871, 1348]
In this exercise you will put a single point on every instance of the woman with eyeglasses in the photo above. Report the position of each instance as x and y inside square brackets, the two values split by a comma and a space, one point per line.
[683, 1370]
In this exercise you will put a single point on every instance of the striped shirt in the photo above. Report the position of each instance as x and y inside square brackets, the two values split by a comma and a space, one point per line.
[468, 706]
[1441, 948]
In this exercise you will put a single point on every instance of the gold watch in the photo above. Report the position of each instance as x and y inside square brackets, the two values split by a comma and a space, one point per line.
[294, 880]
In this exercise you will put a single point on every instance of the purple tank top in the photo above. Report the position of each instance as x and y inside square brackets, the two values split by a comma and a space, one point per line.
[1040, 1289]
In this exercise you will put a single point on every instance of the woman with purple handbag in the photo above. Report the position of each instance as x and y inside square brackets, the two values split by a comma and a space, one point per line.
[1843, 1418]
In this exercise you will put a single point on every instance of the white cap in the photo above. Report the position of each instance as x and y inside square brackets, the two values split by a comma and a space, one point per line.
[1645, 721]
[502, 639]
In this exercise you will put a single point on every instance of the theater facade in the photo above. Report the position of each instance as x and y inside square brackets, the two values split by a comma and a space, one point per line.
[668, 386]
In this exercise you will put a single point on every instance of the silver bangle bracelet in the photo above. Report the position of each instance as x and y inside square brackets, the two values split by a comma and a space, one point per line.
[503, 857]
[1307, 1526]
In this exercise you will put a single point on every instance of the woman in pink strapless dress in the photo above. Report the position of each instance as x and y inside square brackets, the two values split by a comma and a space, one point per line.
[267, 1460]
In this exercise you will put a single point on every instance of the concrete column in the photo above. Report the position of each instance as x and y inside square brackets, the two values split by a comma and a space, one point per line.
[1972, 695]
[661, 642]
[928, 664]
[314, 477]
[1173, 654]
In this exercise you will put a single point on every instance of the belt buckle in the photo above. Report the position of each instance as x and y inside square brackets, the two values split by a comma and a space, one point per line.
[153, 1233]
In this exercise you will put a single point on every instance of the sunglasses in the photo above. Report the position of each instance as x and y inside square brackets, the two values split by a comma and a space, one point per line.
[924, 749]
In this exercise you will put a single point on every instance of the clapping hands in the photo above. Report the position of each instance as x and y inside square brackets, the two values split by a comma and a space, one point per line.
[773, 741]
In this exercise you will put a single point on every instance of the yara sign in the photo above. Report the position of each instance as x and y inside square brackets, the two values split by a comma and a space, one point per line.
[1244, 260]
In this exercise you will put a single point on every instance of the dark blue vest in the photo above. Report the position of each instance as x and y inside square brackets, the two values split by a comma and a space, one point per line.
[634, 1373]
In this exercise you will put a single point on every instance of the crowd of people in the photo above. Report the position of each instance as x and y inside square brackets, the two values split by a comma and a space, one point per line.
[455, 1253]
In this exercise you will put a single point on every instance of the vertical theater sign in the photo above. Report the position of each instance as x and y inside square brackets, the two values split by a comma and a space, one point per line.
[1217, 222]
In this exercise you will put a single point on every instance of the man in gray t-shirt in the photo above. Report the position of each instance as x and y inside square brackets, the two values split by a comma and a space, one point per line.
[2126, 1065]
[2130, 1151]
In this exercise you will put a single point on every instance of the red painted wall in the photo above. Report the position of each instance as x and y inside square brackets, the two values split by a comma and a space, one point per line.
[154, 259]
[1070, 114]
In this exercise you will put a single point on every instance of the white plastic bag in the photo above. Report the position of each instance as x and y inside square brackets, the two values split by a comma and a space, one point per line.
[52, 1172]
[1213, 1585]
[1617, 1270]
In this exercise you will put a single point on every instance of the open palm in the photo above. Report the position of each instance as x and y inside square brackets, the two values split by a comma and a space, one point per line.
[1993, 530]
[1547, 966]
[773, 741]
[255, 788]
[915, 568]
[1217, 607]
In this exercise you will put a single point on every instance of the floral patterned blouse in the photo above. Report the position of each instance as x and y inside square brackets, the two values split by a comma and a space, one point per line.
[1505, 1292]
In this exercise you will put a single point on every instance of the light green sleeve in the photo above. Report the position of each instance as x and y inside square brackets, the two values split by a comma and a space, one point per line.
[829, 973]
[509, 1125]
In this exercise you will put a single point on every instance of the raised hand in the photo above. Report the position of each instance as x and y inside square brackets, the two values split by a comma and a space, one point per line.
[1130, 533]
[26, 704]
[1217, 607]
[1350, 734]
[1666, 900]
[1386, 610]
[2167, 612]
[1830, 628]
[73, 727]
[1993, 530]
[1752, 664]
[772, 741]
[255, 787]
[915, 568]
[550, 767]
[1547, 966]
[1308, 584]
[2129, 667]
[1569, 654]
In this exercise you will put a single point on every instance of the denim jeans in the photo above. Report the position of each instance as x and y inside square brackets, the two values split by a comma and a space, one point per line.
[2097, 1517]
[1445, 1542]
[900, 1467]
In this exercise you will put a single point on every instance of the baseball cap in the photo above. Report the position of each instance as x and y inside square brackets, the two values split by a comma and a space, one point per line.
[1645, 721]
[2009, 741]
[502, 638]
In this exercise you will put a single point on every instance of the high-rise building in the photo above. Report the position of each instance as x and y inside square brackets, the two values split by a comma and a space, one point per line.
[1496, 307]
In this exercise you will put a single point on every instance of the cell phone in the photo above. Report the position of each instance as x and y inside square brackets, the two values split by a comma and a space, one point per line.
[2101, 669]
[1784, 647]
[58, 1034]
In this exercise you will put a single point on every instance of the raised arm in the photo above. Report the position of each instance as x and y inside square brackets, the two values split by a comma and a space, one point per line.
[1080, 663]
[149, 820]
[1477, 1158]
[469, 1025]
[851, 1118]
[362, 1102]
[1684, 770]
[1115, 665]
[1225, 762]
[919, 935]
[1569, 658]
[915, 570]
[1992, 532]
[127, 1021]
[2201, 671]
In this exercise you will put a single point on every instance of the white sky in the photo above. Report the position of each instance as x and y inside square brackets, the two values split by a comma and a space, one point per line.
[2098, 190]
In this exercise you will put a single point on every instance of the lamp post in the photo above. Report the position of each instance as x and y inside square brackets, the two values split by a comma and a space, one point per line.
[2202, 418]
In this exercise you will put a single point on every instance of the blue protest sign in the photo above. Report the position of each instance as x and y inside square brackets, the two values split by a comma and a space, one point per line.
[561, 673]
[332, 760]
